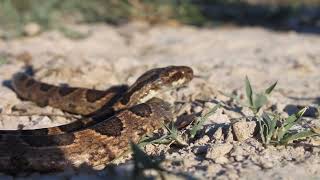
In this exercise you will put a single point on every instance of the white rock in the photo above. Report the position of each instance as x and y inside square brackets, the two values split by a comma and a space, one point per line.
[221, 160]
[219, 150]
[31, 29]
[218, 135]
[243, 130]
[197, 109]
[229, 137]
[204, 140]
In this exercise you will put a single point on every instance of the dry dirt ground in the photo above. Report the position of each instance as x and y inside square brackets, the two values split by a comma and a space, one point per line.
[220, 59]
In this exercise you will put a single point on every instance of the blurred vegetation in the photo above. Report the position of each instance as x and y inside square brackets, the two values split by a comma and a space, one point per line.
[14, 14]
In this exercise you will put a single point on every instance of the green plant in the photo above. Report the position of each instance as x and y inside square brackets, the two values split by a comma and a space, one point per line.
[277, 130]
[200, 121]
[257, 100]
[173, 135]
[254, 100]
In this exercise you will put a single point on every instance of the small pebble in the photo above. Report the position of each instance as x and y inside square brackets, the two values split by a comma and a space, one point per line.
[31, 29]
[218, 135]
[239, 158]
[204, 140]
[229, 137]
[243, 130]
[197, 109]
[221, 160]
[219, 150]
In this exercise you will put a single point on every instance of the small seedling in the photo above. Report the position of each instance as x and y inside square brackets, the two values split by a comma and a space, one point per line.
[173, 136]
[254, 100]
[257, 100]
[276, 130]
[200, 121]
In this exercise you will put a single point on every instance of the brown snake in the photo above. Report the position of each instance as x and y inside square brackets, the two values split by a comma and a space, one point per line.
[117, 116]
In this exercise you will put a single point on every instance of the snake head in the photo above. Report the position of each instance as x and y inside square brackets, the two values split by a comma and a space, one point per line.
[154, 81]
[176, 76]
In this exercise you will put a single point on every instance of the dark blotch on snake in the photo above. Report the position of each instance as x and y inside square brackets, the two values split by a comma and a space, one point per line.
[21, 77]
[30, 82]
[54, 140]
[45, 87]
[142, 110]
[94, 95]
[113, 127]
[63, 91]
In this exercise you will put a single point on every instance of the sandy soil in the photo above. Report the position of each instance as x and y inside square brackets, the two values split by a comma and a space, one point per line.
[220, 58]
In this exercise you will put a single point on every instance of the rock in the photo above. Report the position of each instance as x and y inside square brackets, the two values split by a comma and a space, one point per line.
[229, 137]
[266, 165]
[204, 140]
[239, 158]
[218, 135]
[214, 168]
[243, 130]
[219, 150]
[209, 105]
[197, 109]
[221, 160]
[31, 29]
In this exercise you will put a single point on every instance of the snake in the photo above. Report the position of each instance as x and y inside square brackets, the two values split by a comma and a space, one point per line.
[112, 119]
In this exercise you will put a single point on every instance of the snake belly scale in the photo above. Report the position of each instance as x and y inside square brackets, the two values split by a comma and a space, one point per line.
[112, 119]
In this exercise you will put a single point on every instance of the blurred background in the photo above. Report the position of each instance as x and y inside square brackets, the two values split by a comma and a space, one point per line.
[297, 15]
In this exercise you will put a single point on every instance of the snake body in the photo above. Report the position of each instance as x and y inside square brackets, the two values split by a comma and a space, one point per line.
[117, 116]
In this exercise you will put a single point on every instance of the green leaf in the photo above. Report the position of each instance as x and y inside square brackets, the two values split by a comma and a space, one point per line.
[259, 101]
[249, 91]
[289, 122]
[270, 89]
[272, 123]
[293, 119]
[296, 136]
[263, 130]
[199, 124]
